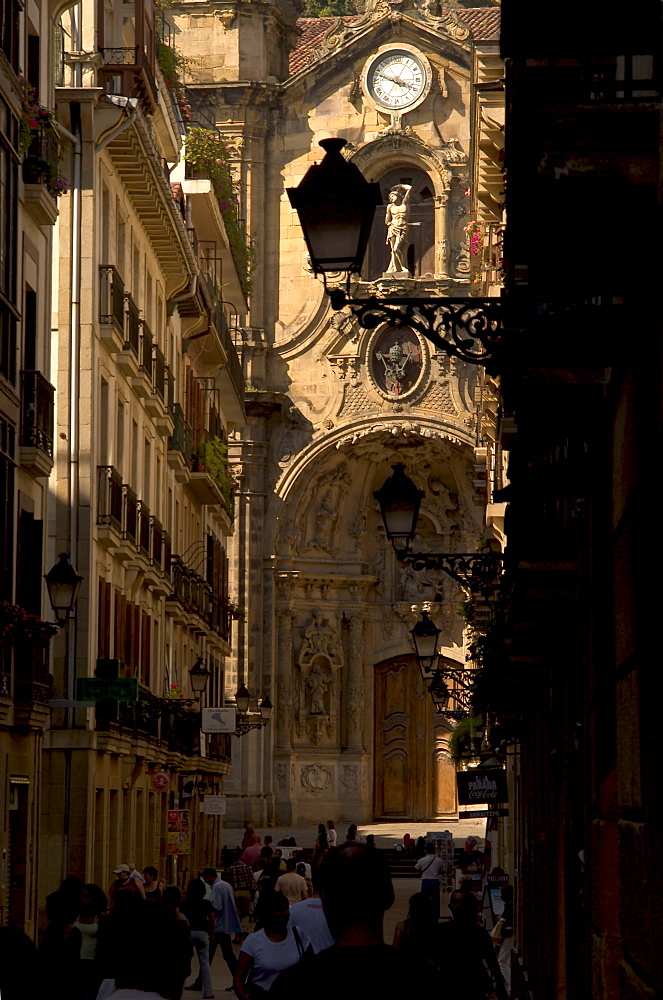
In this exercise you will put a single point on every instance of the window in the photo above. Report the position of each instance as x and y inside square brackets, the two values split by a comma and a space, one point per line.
[9, 21]
[7, 442]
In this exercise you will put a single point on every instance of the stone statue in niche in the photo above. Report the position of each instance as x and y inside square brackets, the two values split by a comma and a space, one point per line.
[331, 487]
[319, 637]
[316, 686]
[396, 221]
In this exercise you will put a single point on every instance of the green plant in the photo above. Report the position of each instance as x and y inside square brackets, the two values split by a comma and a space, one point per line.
[213, 453]
[207, 154]
[460, 740]
[40, 144]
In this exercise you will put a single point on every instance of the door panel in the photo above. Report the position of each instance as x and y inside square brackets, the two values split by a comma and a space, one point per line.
[414, 776]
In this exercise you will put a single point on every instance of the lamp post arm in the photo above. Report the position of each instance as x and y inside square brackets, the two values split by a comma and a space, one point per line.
[478, 572]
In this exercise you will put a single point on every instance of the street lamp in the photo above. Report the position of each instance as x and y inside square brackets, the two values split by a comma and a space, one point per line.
[336, 207]
[199, 675]
[399, 500]
[63, 584]
[460, 693]
[425, 636]
[246, 721]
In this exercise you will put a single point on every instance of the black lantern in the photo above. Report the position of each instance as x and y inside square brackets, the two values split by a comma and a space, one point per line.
[63, 584]
[439, 692]
[265, 708]
[399, 501]
[199, 675]
[336, 206]
[242, 699]
[425, 635]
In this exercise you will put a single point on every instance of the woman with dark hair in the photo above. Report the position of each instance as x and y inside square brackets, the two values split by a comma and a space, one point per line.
[351, 836]
[267, 952]
[200, 915]
[321, 844]
[153, 885]
[416, 935]
[89, 922]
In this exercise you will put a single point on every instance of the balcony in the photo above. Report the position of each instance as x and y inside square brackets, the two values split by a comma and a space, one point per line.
[233, 367]
[126, 527]
[180, 446]
[193, 597]
[126, 70]
[32, 683]
[36, 437]
[167, 721]
[41, 176]
[128, 358]
[142, 381]
[112, 308]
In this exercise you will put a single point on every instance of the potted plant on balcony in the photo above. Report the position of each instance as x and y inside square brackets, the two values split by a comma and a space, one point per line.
[40, 144]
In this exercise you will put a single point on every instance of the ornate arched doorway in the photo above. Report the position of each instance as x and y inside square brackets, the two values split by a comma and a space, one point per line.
[414, 777]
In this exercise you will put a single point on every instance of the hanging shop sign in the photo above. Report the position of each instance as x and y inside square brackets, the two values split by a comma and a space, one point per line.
[482, 784]
[218, 720]
[214, 805]
[160, 781]
[106, 688]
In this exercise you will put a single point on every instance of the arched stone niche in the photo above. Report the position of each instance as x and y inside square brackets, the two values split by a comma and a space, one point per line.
[318, 691]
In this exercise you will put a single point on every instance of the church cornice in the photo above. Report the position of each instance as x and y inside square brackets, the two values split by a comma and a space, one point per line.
[448, 37]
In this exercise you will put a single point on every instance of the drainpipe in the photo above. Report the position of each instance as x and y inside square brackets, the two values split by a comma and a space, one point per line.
[130, 107]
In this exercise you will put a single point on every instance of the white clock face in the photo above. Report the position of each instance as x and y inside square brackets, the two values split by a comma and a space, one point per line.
[396, 79]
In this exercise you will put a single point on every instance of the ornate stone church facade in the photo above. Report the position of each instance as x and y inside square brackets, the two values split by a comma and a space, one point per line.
[331, 406]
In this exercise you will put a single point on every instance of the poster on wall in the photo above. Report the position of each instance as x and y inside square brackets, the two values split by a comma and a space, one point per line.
[179, 831]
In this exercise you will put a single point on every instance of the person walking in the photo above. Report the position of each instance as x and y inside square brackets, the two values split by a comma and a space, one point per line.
[310, 917]
[292, 885]
[416, 936]
[465, 953]
[506, 947]
[153, 886]
[240, 877]
[430, 867]
[321, 845]
[227, 920]
[200, 914]
[89, 922]
[59, 953]
[268, 952]
[125, 889]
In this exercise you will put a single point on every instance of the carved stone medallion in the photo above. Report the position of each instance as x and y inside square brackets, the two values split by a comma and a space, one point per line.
[396, 361]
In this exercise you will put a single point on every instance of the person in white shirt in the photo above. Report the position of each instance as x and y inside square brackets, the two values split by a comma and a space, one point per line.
[430, 867]
[267, 952]
[331, 833]
[310, 917]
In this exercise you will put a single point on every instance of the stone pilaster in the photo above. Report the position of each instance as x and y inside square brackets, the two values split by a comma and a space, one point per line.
[355, 681]
[284, 690]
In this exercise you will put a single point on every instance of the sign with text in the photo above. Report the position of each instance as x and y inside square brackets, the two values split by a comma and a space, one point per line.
[482, 813]
[218, 720]
[214, 805]
[101, 688]
[482, 784]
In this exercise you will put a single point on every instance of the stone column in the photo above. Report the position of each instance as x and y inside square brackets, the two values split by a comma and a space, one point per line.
[284, 696]
[355, 681]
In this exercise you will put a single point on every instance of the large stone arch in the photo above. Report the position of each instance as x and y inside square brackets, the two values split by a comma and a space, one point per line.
[344, 604]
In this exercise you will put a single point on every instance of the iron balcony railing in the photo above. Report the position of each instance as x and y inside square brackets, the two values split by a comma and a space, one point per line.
[126, 70]
[234, 365]
[159, 371]
[110, 504]
[198, 597]
[132, 330]
[144, 528]
[182, 437]
[37, 408]
[130, 526]
[145, 351]
[40, 165]
[111, 298]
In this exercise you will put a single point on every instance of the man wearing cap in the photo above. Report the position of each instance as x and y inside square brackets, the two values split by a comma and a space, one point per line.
[124, 889]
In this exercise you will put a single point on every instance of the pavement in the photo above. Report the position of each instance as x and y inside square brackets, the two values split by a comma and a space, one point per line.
[386, 834]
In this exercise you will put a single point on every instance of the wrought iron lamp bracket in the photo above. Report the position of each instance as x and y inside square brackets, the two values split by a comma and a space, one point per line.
[245, 723]
[469, 329]
[477, 572]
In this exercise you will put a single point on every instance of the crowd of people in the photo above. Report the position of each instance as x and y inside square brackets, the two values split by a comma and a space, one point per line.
[302, 927]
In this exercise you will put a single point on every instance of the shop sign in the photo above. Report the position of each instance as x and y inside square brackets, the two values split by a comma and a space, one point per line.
[218, 720]
[103, 688]
[160, 781]
[482, 784]
[179, 831]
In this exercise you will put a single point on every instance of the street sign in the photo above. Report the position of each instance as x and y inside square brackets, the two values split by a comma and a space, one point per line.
[102, 689]
[219, 720]
[483, 813]
[214, 805]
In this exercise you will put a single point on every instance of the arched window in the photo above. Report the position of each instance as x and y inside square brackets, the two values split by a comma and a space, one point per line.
[421, 235]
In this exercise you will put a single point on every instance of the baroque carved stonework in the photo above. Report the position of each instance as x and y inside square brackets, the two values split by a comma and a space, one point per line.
[316, 778]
